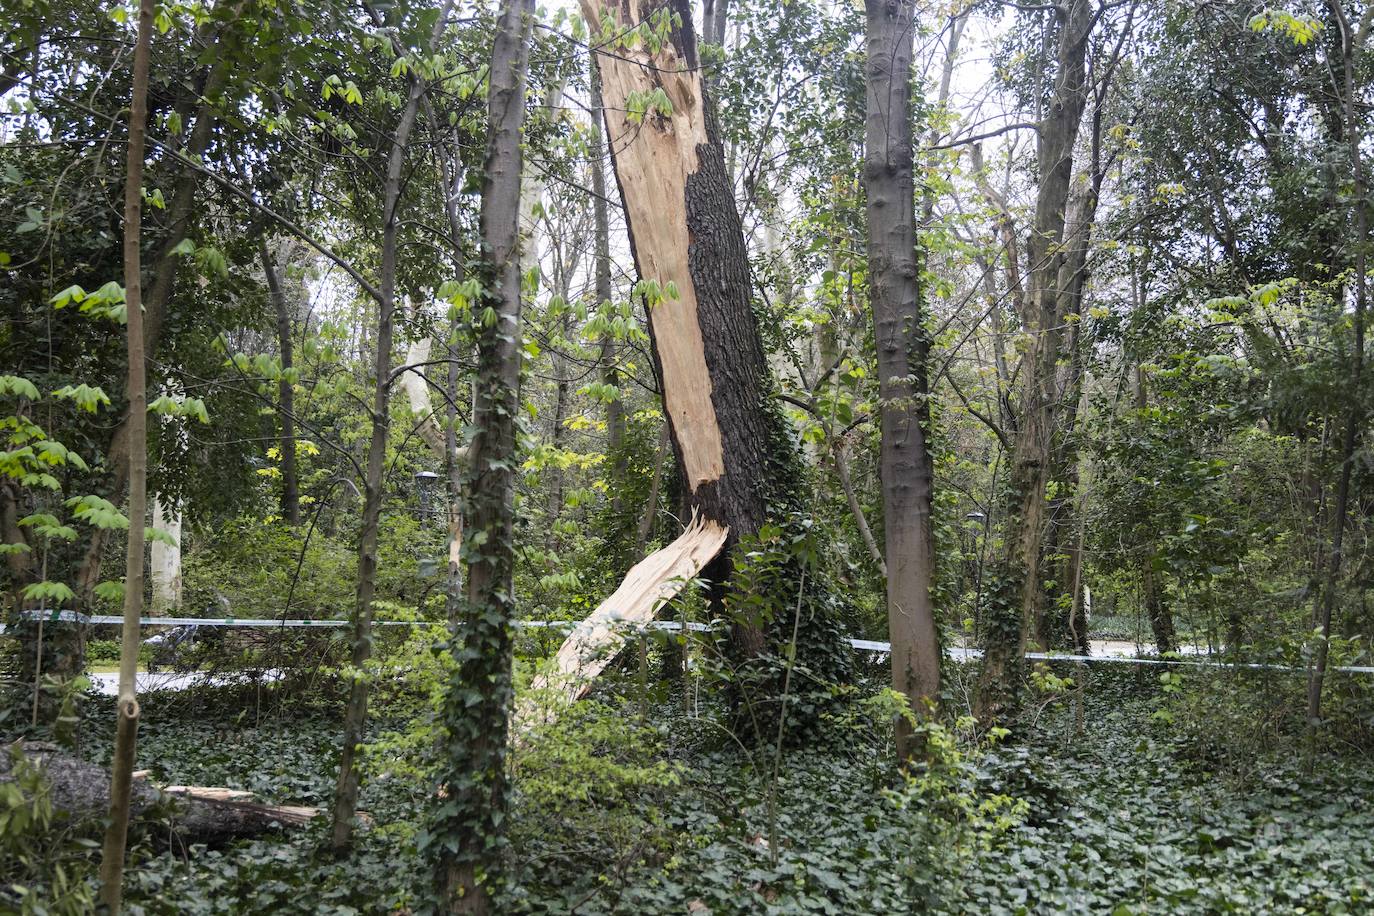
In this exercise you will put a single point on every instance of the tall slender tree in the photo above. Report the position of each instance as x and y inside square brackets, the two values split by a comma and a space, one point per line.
[1351, 45]
[355, 716]
[894, 294]
[1015, 583]
[286, 397]
[126, 734]
[467, 825]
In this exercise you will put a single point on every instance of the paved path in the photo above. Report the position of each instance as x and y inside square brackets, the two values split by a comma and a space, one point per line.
[107, 683]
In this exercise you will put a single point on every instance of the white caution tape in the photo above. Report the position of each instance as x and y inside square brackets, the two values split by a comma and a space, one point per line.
[865, 645]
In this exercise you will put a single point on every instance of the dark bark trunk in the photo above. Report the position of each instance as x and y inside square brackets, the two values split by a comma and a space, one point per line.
[1010, 607]
[646, 520]
[610, 373]
[1157, 610]
[81, 791]
[560, 410]
[1355, 418]
[738, 462]
[894, 293]
[477, 706]
[290, 492]
[126, 731]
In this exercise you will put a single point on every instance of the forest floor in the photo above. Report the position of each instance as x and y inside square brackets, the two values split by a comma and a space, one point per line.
[1124, 817]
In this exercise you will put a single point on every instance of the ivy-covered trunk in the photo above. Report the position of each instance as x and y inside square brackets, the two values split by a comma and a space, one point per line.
[286, 389]
[738, 463]
[1014, 588]
[466, 833]
[894, 294]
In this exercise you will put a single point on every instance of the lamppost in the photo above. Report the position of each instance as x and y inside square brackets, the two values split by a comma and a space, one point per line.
[425, 484]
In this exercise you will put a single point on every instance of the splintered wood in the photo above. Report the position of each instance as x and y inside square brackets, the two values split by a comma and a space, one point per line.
[654, 156]
[653, 581]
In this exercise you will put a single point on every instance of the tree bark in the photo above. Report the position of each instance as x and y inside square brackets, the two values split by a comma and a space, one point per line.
[345, 805]
[467, 826]
[1011, 605]
[1157, 610]
[126, 733]
[841, 462]
[81, 791]
[1354, 137]
[165, 560]
[737, 460]
[290, 491]
[894, 293]
[610, 374]
[181, 214]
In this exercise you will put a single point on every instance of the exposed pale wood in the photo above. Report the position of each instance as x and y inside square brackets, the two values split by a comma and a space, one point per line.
[165, 564]
[417, 394]
[654, 159]
[650, 584]
[210, 793]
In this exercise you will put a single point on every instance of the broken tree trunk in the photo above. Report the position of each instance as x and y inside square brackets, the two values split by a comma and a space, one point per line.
[80, 791]
[737, 460]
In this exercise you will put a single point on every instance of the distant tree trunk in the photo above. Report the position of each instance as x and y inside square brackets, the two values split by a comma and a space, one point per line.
[165, 561]
[126, 729]
[1010, 609]
[841, 463]
[894, 293]
[736, 456]
[1151, 593]
[290, 492]
[355, 715]
[450, 172]
[560, 411]
[1355, 418]
[646, 521]
[715, 16]
[467, 825]
[610, 374]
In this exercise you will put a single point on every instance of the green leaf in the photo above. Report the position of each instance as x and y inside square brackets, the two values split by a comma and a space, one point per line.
[69, 295]
[110, 591]
[48, 591]
[87, 397]
[14, 384]
[159, 535]
[97, 512]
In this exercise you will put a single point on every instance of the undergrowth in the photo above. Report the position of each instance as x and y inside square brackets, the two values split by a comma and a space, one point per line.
[617, 816]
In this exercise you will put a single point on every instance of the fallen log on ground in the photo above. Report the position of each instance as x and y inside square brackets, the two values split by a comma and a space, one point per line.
[80, 791]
